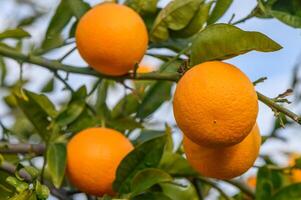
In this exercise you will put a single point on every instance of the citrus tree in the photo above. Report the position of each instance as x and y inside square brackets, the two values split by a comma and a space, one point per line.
[79, 144]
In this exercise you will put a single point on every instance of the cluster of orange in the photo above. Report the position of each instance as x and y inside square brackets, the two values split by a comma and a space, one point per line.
[215, 105]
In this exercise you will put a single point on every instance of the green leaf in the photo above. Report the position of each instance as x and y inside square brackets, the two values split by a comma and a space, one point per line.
[56, 162]
[101, 105]
[156, 95]
[125, 123]
[176, 165]
[142, 6]
[74, 108]
[37, 109]
[220, 8]
[178, 192]
[146, 135]
[126, 106]
[196, 23]
[17, 33]
[73, 30]
[22, 196]
[146, 155]
[147, 178]
[78, 7]
[42, 191]
[267, 182]
[289, 12]
[60, 19]
[85, 120]
[291, 192]
[223, 41]
[18, 184]
[3, 71]
[175, 16]
[49, 86]
[152, 196]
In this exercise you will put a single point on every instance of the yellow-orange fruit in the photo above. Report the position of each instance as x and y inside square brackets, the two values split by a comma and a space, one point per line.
[111, 38]
[251, 181]
[215, 104]
[295, 173]
[144, 69]
[226, 162]
[93, 156]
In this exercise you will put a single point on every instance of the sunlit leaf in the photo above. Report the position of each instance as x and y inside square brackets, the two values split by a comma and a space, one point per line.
[178, 192]
[175, 16]
[143, 6]
[221, 6]
[223, 41]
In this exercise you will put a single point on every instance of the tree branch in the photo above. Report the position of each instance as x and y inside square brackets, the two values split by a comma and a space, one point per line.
[167, 76]
[7, 148]
[242, 187]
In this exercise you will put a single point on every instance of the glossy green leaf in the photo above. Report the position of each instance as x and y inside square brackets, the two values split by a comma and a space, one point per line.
[289, 12]
[78, 7]
[196, 23]
[49, 86]
[60, 19]
[146, 155]
[176, 165]
[154, 98]
[101, 105]
[143, 6]
[223, 41]
[175, 16]
[126, 106]
[152, 196]
[291, 192]
[56, 162]
[17, 33]
[147, 178]
[220, 8]
[147, 134]
[178, 192]
[125, 123]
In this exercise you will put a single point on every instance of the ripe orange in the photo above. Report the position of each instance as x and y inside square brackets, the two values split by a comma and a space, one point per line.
[251, 182]
[226, 162]
[295, 173]
[93, 156]
[215, 104]
[144, 69]
[111, 38]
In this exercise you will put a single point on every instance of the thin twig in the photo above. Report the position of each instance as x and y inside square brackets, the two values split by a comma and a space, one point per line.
[8, 148]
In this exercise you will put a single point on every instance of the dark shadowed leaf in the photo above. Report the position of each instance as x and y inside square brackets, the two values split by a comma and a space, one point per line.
[147, 178]
[223, 41]
[291, 192]
[73, 29]
[175, 16]
[58, 22]
[85, 120]
[289, 12]
[196, 23]
[142, 6]
[178, 192]
[154, 98]
[101, 105]
[126, 106]
[146, 155]
[56, 162]
[125, 123]
[152, 196]
[147, 135]
[3, 71]
[37, 109]
[17, 33]
[78, 7]
[49, 86]
[221, 6]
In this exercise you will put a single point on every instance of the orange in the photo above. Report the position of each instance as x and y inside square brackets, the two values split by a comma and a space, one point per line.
[225, 162]
[111, 38]
[295, 173]
[144, 69]
[93, 156]
[251, 182]
[215, 104]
